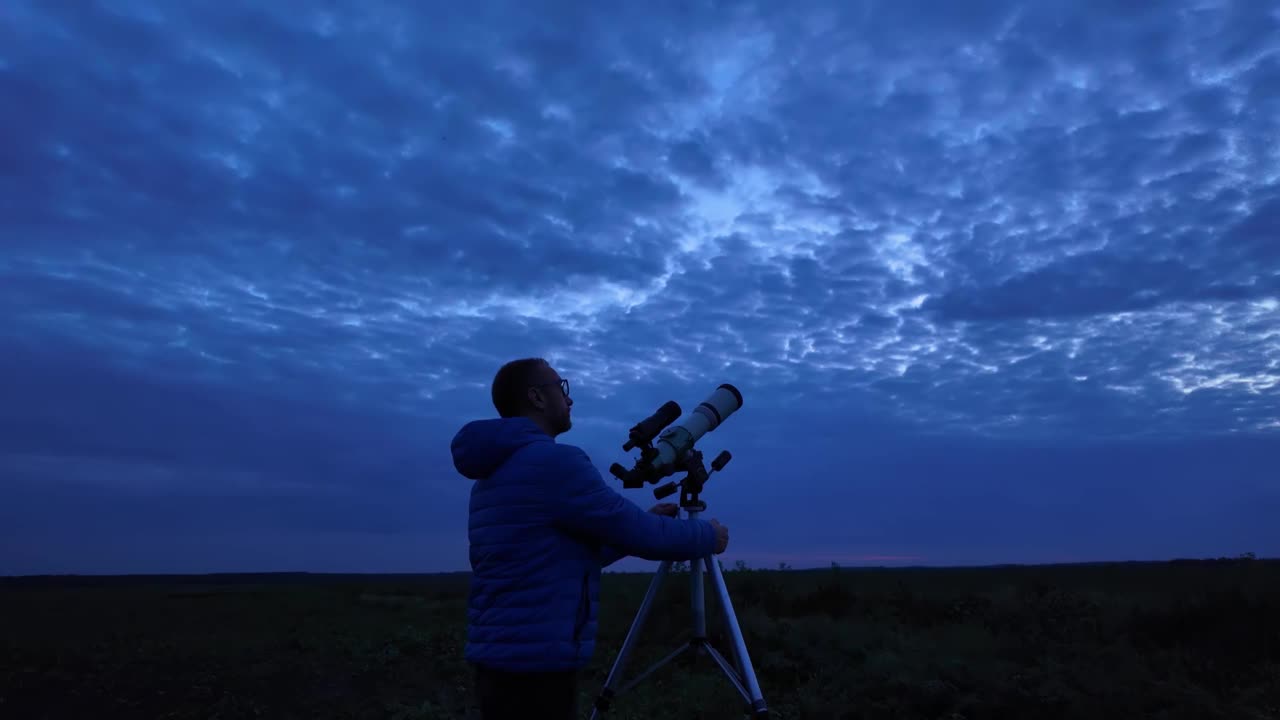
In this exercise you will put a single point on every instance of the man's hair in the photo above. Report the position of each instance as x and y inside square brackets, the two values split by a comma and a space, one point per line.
[510, 384]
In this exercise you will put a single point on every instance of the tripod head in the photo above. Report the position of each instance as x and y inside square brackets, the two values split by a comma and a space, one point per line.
[696, 477]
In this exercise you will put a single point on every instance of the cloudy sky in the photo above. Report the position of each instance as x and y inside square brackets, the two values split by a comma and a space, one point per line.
[999, 282]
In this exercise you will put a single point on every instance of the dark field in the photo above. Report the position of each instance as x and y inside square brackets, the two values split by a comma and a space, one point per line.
[1167, 640]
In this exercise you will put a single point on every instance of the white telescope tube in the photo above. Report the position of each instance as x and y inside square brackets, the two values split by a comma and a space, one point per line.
[677, 440]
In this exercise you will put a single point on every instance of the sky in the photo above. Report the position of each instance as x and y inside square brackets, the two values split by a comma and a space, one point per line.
[999, 282]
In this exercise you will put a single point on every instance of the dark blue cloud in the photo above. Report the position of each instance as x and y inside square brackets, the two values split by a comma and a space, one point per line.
[987, 275]
[1095, 283]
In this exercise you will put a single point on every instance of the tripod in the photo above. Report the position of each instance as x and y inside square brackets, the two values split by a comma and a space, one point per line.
[741, 673]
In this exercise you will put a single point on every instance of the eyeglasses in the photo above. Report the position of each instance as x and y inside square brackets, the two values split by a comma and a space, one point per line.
[564, 386]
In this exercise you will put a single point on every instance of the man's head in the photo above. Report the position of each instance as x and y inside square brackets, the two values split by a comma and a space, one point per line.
[531, 388]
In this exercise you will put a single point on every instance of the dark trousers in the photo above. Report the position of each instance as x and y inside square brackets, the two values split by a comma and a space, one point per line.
[509, 695]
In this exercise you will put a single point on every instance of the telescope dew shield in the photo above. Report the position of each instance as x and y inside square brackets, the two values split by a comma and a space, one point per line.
[674, 443]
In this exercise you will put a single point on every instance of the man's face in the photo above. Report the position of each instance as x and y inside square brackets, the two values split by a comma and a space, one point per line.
[551, 403]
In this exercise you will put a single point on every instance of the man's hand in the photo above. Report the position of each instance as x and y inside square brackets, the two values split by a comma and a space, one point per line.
[668, 509]
[722, 536]
[672, 510]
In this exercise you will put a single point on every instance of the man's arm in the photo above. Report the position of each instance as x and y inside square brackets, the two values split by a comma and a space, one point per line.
[610, 555]
[585, 504]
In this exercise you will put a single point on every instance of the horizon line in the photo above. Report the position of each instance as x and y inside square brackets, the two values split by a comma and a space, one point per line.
[727, 568]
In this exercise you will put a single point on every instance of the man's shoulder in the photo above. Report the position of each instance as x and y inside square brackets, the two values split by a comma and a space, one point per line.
[549, 456]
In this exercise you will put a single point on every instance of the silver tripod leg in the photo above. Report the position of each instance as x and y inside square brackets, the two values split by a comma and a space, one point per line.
[633, 636]
[697, 600]
[751, 693]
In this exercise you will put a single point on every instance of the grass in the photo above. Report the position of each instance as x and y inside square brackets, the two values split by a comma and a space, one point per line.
[1188, 639]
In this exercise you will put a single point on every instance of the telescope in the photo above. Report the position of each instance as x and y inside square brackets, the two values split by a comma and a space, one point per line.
[673, 450]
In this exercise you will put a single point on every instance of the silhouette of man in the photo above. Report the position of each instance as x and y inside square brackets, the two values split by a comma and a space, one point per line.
[542, 524]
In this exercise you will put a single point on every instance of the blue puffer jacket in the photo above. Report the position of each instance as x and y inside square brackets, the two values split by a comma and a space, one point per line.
[542, 525]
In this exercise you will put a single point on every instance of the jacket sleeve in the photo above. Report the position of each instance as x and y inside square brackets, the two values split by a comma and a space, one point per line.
[586, 505]
[610, 555]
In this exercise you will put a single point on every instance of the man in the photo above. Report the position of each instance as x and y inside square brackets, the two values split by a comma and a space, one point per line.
[543, 523]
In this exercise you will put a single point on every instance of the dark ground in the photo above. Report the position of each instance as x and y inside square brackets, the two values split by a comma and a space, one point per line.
[1189, 639]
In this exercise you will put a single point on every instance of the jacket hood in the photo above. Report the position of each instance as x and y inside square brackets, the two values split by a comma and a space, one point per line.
[482, 446]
